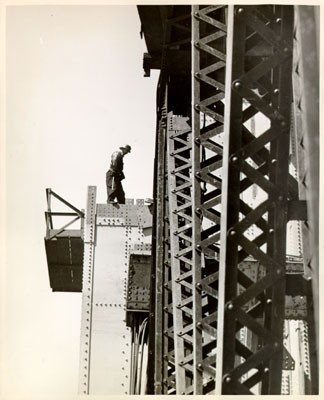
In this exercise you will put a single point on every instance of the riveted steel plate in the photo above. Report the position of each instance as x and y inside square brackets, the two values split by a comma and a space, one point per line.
[295, 307]
[124, 214]
[106, 340]
[139, 278]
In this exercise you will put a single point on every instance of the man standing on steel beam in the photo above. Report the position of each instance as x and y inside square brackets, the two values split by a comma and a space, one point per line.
[115, 175]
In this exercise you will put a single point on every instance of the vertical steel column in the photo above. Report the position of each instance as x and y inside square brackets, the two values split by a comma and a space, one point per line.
[159, 260]
[258, 82]
[208, 86]
[87, 292]
[180, 219]
[196, 226]
[306, 100]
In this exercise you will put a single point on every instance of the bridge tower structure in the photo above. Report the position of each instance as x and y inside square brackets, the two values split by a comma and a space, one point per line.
[235, 226]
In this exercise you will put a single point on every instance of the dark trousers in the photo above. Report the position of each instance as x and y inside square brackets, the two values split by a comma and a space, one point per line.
[114, 188]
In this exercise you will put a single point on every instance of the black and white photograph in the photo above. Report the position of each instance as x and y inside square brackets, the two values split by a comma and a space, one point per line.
[159, 191]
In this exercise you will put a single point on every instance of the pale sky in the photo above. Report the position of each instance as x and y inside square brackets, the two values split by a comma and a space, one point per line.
[75, 92]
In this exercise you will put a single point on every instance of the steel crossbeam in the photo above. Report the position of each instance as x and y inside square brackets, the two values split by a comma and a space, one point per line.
[259, 66]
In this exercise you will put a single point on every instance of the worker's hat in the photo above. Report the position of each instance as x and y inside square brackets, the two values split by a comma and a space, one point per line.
[126, 147]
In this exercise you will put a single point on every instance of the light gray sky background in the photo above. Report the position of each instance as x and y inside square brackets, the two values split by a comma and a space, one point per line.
[75, 92]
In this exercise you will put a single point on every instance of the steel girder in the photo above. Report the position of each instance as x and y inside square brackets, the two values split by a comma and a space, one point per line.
[188, 219]
[306, 118]
[246, 313]
[208, 92]
[259, 67]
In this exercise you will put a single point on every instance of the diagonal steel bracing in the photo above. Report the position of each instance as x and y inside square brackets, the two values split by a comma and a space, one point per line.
[259, 66]
[208, 86]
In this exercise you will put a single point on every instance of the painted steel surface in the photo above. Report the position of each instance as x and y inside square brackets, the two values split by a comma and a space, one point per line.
[112, 233]
[261, 84]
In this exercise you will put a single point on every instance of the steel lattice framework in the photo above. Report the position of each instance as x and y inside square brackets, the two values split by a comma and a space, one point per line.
[265, 84]
[220, 279]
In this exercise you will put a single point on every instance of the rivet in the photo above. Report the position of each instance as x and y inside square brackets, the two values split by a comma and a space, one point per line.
[197, 74]
[283, 124]
[266, 370]
[227, 378]
[237, 84]
[273, 161]
[286, 50]
[271, 230]
[278, 20]
[240, 10]
[230, 306]
[268, 301]
[234, 159]
[232, 232]
[276, 91]
[199, 365]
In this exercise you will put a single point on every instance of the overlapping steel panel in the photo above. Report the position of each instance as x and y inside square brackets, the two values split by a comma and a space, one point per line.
[111, 234]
